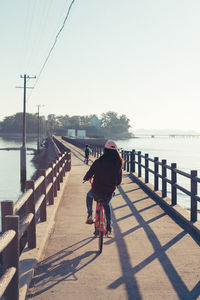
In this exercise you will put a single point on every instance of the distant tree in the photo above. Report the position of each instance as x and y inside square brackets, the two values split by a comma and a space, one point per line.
[14, 123]
[109, 125]
[52, 123]
[75, 122]
[63, 121]
[112, 124]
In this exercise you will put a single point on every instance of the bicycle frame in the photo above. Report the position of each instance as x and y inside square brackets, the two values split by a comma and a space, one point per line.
[99, 224]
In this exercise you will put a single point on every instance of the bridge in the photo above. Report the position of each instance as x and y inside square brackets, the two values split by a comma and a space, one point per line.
[172, 135]
[153, 253]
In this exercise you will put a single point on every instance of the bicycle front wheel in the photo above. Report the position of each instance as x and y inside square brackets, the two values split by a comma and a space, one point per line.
[100, 241]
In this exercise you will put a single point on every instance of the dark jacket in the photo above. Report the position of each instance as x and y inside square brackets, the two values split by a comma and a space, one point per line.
[106, 177]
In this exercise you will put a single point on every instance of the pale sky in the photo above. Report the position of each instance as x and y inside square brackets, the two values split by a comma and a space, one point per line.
[140, 58]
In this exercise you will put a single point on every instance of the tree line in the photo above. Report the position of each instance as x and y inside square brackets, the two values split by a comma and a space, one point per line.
[110, 124]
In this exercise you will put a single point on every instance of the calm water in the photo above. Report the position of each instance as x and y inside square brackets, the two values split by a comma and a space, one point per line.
[183, 151]
[10, 167]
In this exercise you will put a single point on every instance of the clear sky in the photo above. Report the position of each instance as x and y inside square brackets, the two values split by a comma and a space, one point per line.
[140, 58]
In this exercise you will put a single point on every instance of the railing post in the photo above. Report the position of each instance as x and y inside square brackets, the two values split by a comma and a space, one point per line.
[30, 208]
[7, 208]
[139, 164]
[96, 151]
[54, 178]
[43, 207]
[146, 167]
[68, 161]
[128, 161]
[57, 183]
[133, 161]
[65, 162]
[11, 257]
[174, 181]
[156, 172]
[60, 168]
[125, 160]
[164, 174]
[193, 216]
[102, 148]
[50, 180]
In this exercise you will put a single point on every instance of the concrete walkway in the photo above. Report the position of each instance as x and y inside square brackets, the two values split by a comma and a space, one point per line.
[148, 257]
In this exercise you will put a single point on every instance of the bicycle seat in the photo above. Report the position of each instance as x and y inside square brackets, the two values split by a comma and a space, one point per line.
[100, 200]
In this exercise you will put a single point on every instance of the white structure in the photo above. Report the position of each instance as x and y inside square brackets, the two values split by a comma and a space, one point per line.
[71, 133]
[81, 134]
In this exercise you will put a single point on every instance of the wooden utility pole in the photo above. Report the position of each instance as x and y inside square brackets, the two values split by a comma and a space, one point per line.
[23, 148]
[38, 139]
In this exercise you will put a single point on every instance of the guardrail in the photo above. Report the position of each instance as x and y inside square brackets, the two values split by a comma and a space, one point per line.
[136, 161]
[19, 220]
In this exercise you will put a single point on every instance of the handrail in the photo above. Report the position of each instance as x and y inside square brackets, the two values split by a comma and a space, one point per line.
[25, 223]
[133, 159]
[39, 181]
[6, 279]
[160, 176]
[6, 238]
[22, 200]
[38, 195]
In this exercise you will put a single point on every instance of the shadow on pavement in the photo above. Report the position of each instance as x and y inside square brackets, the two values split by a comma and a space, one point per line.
[129, 273]
[58, 267]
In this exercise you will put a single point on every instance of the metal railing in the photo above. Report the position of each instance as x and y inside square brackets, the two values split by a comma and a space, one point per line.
[19, 220]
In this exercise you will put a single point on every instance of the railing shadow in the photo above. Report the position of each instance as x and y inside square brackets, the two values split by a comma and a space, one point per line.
[57, 268]
[129, 273]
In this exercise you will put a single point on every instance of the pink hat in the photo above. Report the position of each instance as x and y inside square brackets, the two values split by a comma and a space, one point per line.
[111, 145]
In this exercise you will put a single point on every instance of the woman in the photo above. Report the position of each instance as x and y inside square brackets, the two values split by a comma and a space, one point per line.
[107, 175]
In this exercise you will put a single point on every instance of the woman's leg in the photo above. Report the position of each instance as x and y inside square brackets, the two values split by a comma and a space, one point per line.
[107, 210]
[89, 202]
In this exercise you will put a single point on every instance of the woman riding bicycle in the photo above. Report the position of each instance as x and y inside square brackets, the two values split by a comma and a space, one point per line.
[107, 175]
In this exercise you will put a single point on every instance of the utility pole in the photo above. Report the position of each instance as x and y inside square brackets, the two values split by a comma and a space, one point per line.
[23, 148]
[38, 139]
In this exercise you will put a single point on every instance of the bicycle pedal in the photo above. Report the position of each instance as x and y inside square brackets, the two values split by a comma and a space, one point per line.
[89, 222]
[96, 233]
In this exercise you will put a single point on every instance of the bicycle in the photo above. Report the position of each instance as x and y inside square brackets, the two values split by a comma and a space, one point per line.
[99, 223]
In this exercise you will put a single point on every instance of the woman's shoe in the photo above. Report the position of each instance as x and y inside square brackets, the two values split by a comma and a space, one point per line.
[89, 219]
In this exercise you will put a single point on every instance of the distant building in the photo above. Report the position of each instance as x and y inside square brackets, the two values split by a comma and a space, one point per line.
[71, 133]
[81, 134]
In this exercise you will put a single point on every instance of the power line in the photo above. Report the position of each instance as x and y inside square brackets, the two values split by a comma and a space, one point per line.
[56, 38]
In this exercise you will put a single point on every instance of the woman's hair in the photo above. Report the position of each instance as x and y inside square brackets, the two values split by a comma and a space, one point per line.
[112, 156]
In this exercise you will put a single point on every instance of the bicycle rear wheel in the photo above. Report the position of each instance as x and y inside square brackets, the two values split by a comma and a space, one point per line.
[100, 241]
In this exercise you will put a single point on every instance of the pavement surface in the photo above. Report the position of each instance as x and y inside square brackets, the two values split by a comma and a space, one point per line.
[149, 255]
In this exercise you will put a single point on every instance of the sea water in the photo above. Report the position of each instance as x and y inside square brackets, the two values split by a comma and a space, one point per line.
[10, 187]
[184, 151]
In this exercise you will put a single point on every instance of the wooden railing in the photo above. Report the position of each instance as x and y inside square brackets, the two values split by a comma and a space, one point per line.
[163, 176]
[19, 220]
[135, 161]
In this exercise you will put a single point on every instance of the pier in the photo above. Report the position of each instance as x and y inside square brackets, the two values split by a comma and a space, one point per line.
[153, 253]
